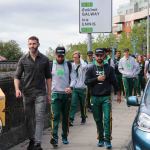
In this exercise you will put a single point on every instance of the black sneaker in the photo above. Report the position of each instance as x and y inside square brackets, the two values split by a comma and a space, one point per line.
[54, 142]
[31, 145]
[83, 121]
[38, 147]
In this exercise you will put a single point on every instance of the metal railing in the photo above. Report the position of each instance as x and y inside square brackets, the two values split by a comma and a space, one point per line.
[6, 66]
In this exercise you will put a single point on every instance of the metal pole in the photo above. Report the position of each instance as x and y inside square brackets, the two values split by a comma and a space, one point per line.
[147, 27]
[113, 53]
[89, 43]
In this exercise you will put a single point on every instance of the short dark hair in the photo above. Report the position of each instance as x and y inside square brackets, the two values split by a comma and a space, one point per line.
[126, 49]
[107, 50]
[33, 38]
[117, 51]
[90, 53]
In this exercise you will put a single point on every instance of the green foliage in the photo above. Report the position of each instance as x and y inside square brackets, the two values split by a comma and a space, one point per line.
[135, 41]
[10, 50]
[104, 41]
[50, 53]
[139, 33]
[124, 42]
[81, 47]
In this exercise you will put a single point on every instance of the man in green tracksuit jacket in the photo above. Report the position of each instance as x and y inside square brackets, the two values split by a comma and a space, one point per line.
[100, 77]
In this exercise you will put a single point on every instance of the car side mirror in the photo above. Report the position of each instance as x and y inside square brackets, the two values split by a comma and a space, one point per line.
[133, 101]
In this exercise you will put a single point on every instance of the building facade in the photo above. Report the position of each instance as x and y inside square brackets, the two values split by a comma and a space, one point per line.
[128, 14]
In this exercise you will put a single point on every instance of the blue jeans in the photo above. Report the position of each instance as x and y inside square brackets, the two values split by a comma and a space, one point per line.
[34, 107]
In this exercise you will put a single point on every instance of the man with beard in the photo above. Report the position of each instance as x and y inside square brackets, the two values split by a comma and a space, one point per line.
[61, 91]
[100, 77]
[35, 68]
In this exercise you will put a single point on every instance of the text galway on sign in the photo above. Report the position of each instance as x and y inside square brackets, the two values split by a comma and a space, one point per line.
[95, 16]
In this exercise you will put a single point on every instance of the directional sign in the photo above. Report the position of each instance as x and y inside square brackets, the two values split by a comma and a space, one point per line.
[95, 16]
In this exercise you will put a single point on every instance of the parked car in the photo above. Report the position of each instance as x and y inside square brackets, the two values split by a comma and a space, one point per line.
[141, 124]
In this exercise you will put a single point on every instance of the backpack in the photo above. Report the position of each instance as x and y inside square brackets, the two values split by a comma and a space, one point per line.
[69, 67]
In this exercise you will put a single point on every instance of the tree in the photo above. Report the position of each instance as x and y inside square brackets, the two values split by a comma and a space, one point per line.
[81, 47]
[50, 53]
[124, 42]
[10, 50]
[139, 33]
[110, 41]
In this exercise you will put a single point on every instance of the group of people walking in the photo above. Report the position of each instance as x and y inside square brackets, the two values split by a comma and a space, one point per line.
[66, 84]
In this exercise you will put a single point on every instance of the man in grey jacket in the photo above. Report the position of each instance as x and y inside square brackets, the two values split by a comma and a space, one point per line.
[129, 69]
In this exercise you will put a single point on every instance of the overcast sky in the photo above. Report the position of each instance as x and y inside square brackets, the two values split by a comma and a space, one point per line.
[55, 22]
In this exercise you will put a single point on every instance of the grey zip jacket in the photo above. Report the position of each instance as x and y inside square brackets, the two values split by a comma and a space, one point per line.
[78, 74]
[128, 67]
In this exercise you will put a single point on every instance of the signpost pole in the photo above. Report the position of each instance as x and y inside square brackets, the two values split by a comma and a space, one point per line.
[89, 43]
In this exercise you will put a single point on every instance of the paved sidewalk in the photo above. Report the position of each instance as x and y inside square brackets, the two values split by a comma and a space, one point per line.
[83, 137]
